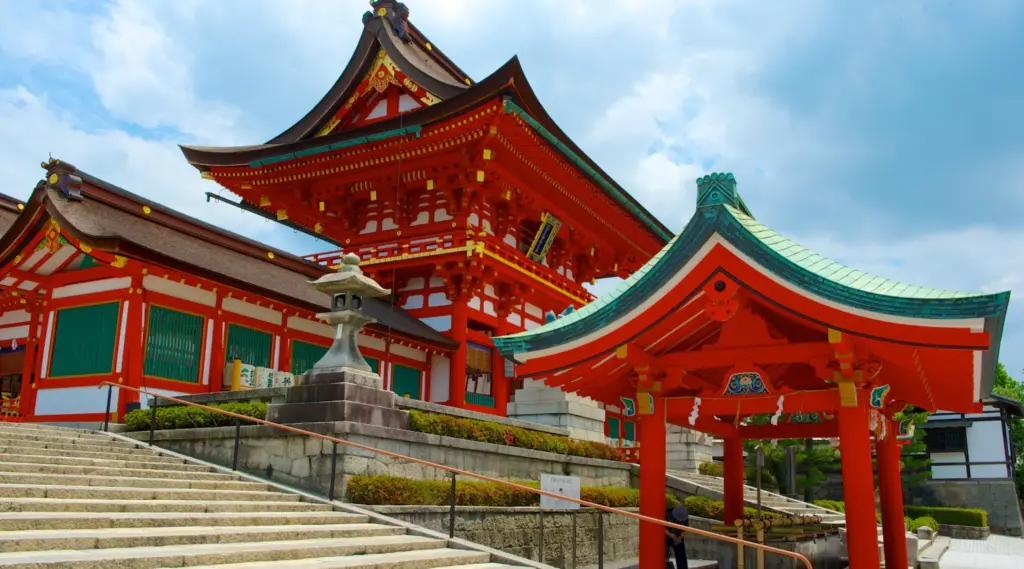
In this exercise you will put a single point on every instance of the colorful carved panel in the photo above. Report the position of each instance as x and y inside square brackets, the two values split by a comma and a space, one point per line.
[628, 406]
[906, 430]
[746, 383]
[646, 403]
[878, 395]
[549, 226]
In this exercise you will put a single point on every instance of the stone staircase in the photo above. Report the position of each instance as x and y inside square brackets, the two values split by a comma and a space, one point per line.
[75, 499]
[711, 486]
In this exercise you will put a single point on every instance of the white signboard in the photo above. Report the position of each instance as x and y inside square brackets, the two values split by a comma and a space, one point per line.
[568, 486]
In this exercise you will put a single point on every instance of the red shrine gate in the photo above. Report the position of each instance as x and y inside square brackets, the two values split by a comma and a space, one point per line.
[732, 320]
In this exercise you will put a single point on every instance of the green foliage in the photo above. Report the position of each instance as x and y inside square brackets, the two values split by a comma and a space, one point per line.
[924, 521]
[834, 505]
[386, 490]
[499, 434]
[812, 462]
[712, 469]
[186, 417]
[917, 467]
[704, 507]
[1008, 387]
[973, 517]
[909, 523]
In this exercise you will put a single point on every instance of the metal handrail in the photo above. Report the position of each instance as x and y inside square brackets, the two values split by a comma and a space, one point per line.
[453, 471]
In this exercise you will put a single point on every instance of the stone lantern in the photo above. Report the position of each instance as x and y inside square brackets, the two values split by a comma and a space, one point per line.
[341, 387]
[348, 288]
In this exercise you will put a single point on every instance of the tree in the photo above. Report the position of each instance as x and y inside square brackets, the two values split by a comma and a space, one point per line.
[1008, 387]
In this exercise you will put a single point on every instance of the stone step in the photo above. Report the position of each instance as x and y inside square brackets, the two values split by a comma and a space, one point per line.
[420, 559]
[125, 481]
[24, 521]
[48, 468]
[216, 553]
[108, 493]
[160, 462]
[59, 437]
[59, 449]
[28, 427]
[58, 454]
[128, 505]
[50, 540]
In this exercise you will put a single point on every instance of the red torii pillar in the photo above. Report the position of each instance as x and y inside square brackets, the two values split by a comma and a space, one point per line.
[859, 486]
[652, 486]
[732, 456]
[890, 487]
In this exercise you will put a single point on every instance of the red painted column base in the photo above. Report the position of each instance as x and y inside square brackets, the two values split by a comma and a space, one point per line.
[652, 486]
[858, 486]
[732, 449]
[890, 487]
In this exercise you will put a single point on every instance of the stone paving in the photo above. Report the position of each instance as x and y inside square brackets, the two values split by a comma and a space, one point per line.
[996, 552]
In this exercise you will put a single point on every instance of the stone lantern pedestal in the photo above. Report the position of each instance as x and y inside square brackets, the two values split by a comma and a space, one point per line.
[342, 386]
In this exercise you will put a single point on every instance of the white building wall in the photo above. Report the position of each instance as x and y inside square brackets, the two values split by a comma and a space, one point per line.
[985, 443]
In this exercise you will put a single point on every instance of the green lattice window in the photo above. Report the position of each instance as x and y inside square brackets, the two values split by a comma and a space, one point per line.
[630, 431]
[373, 363]
[174, 344]
[613, 428]
[305, 356]
[84, 340]
[405, 381]
[249, 345]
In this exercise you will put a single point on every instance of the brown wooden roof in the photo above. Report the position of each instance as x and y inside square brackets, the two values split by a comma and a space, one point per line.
[427, 66]
[109, 218]
[9, 209]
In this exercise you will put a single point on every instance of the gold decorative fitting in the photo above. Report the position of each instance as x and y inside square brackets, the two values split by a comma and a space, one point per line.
[318, 228]
[17, 259]
[138, 291]
[282, 214]
[206, 175]
[270, 254]
[120, 380]
[264, 201]
[145, 271]
[373, 195]
[147, 210]
[487, 154]
[428, 46]
[21, 206]
[468, 82]
[119, 262]
[320, 206]
[479, 175]
[382, 12]
[85, 248]
[430, 184]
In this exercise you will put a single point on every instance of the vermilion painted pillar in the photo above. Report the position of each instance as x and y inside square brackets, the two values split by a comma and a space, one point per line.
[890, 487]
[732, 450]
[858, 486]
[652, 486]
[457, 378]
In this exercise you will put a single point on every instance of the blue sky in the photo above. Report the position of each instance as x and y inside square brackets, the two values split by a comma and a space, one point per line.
[887, 135]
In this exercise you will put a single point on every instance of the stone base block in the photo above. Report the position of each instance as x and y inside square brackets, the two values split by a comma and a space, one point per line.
[342, 375]
[340, 392]
[336, 411]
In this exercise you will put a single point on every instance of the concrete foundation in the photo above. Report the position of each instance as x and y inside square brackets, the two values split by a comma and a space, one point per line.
[538, 403]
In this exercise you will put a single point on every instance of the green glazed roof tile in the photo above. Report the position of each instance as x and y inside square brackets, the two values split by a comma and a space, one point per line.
[777, 254]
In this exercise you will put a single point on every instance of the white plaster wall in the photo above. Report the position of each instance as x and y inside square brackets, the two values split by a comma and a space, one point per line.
[74, 400]
[985, 444]
[944, 472]
[440, 378]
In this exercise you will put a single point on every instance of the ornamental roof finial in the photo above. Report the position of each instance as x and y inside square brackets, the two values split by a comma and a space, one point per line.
[717, 189]
[396, 13]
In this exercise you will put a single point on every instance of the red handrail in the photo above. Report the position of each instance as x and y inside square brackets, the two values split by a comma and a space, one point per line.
[459, 472]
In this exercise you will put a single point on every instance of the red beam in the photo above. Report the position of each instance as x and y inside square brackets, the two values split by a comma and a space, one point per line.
[804, 402]
[763, 355]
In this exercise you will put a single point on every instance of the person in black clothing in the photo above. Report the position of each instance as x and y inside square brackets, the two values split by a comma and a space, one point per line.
[674, 537]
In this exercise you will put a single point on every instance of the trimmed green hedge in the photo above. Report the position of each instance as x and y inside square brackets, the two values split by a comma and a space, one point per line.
[186, 417]
[924, 521]
[704, 507]
[386, 490]
[499, 434]
[972, 517]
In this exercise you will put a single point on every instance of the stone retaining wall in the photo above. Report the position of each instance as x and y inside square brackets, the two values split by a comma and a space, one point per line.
[306, 462]
[518, 531]
[964, 532]
[998, 497]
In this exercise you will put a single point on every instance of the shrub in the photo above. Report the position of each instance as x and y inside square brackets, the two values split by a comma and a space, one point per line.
[704, 507]
[909, 523]
[973, 517]
[833, 505]
[185, 417]
[712, 469]
[925, 521]
[386, 490]
[499, 434]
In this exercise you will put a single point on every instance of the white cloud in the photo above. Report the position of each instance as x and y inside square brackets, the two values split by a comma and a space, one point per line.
[153, 169]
